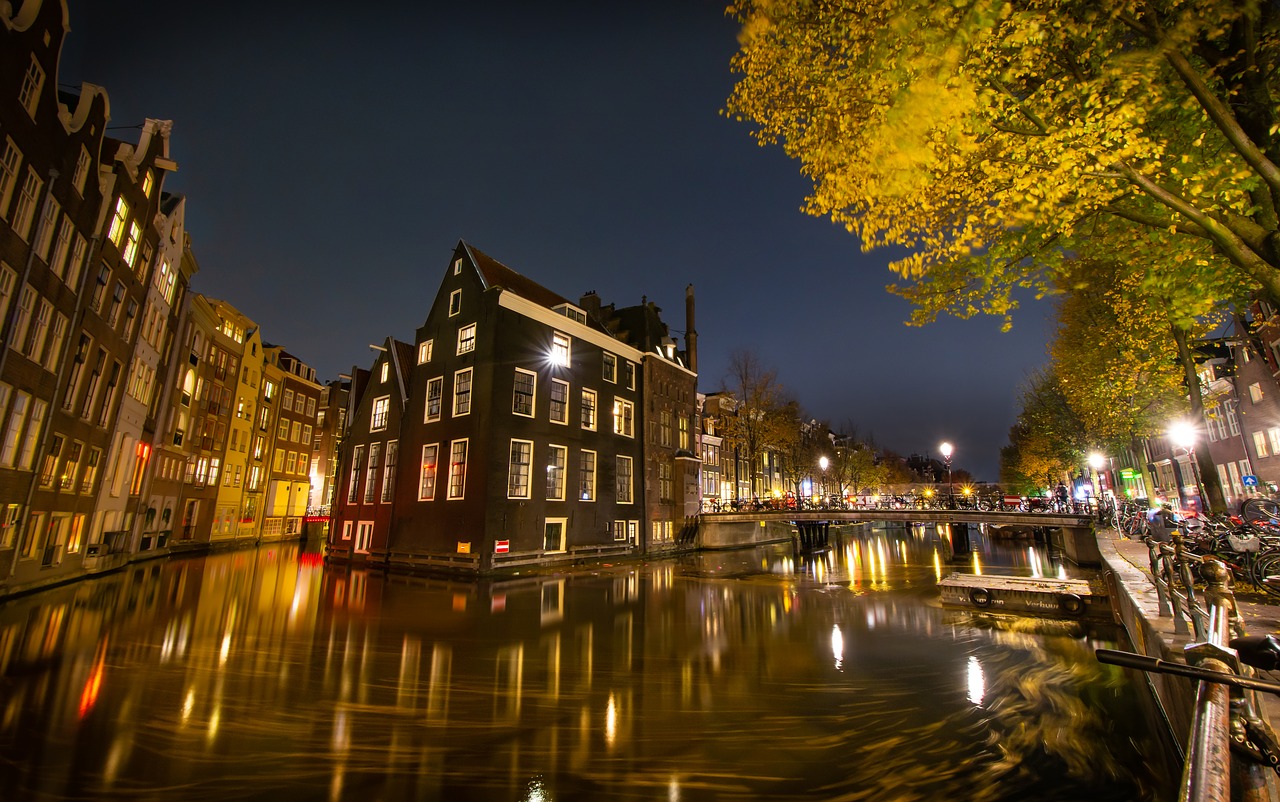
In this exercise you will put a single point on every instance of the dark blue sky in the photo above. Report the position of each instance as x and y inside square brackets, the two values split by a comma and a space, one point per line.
[333, 155]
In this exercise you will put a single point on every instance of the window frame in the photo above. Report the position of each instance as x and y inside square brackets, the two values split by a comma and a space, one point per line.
[379, 413]
[458, 397]
[531, 396]
[467, 338]
[557, 476]
[594, 408]
[620, 460]
[438, 383]
[457, 470]
[513, 490]
[432, 472]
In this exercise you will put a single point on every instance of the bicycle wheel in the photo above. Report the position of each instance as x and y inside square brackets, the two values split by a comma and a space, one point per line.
[1260, 510]
[1266, 572]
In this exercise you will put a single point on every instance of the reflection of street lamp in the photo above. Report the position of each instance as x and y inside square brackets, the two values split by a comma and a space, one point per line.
[1183, 435]
[947, 450]
[823, 462]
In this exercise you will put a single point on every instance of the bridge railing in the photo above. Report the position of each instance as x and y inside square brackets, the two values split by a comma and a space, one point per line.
[1225, 710]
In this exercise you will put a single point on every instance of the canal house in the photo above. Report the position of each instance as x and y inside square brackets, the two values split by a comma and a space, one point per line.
[510, 432]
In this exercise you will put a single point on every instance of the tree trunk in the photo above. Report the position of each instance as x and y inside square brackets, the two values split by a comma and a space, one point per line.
[1214, 500]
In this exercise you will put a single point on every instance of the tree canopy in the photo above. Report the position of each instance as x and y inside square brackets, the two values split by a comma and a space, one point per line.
[999, 140]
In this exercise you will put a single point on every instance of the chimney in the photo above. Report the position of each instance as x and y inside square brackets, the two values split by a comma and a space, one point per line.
[590, 303]
[690, 332]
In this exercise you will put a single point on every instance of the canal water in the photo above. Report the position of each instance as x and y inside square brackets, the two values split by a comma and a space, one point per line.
[744, 675]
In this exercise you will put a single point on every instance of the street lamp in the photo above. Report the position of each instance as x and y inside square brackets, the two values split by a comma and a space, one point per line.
[1096, 461]
[947, 451]
[823, 462]
[1183, 435]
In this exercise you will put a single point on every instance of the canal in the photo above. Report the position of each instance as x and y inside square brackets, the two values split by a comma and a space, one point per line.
[741, 675]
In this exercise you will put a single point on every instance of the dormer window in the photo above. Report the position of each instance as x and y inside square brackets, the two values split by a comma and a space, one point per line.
[572, 312]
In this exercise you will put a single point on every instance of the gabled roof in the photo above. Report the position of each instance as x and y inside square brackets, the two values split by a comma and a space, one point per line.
[402, 360]
[495, 274]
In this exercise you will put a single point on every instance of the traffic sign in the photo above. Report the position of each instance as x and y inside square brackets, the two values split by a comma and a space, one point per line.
[1249, 480]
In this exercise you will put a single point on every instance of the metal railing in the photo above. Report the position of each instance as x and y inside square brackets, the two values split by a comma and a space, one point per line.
[1227, 704]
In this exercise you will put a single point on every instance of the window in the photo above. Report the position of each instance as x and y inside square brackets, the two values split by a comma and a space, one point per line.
[371, 472]
[684, 433]
[295, 433]
[81, 174]
[32, 83]
[385, 372]
[587, 476]
[560, 349]
[518, 469]
[589, 409]
[629, 374]
[664, 482]
[311, 408]
[353, 481]
[130, 252]
[435, 389]
[56, 339]
[664, 428]
[1260, 443]
[462, 392]
[24, 210]
[622, 485]
[40, 330]
[610, 368]
[455, 302]
[164, 281]
[287, 402]
[148, 183]
[299, 403]
[619, 530]
[424, 351]
[50, 461]
[8, 174]
[388, 475]
[62, 247]
[282, 430]
[1255, 392]
[457, 469]
[378, 420]
[467, 338]
[1274, 434]
[49, 215]
[522, 397]
[79, 252]
[117, 302]
[8, 281]
[623, 422]
[306, 434]
[1233, 422]
[90, 474]
[119, 219]
[559, 401]
[26, 305]
[556, 460]
[427, 473]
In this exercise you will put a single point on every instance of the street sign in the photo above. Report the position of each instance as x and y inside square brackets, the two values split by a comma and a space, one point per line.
[1249, 480]
[501, 546]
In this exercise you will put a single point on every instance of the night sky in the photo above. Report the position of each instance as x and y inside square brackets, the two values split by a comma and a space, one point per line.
[332, 156]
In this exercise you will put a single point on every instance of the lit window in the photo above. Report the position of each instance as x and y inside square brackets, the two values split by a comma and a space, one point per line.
[560, 349]
[118, 221]
[388, 474]
[462, 392]
[467, 338]
[131, 245]
[424, 351]
[556, 459]
[559, 401]
[435, 389]
[1260, 443]
[522, 395]
[623, 420]
[589, 409]
[457, 469]
[427, 475]
[386, 371]
[148, 183]
[518, 469]
[25, 209]
[378, 420]
[623, 483]
[457, 266]
[1255, 392]
[610, 368]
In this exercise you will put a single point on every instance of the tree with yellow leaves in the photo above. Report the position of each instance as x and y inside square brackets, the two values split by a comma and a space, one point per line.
[1000, 140]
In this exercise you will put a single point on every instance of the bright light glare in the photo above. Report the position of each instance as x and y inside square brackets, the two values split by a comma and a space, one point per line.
[947, 450]
[1183, 434]
[977, 682]
[837, 646]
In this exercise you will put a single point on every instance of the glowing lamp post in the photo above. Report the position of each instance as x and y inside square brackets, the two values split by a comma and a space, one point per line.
[823, 462]
[1096, 461]
[947, 451]
[1183, 435]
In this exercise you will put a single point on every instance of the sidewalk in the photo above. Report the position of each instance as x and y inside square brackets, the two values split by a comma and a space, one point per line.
[1134, 597]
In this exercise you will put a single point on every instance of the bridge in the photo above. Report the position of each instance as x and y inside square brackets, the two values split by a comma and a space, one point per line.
[726, 530]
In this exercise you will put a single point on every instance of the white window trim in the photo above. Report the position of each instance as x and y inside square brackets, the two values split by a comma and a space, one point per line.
[595, 471]
[631, 481]
[373, 414]
[426, 408]
[528, 480]
[564, 471]
[533, 396]
[470, 392]
[448, 490]
[435, 482]
[424, 351]
[461, 329]
[595, 418]
[455, 309]
[551, 397]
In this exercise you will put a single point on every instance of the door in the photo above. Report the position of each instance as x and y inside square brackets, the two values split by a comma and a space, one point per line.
[553, 534]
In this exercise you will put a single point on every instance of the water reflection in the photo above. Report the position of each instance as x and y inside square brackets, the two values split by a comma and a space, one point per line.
[749, 674]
